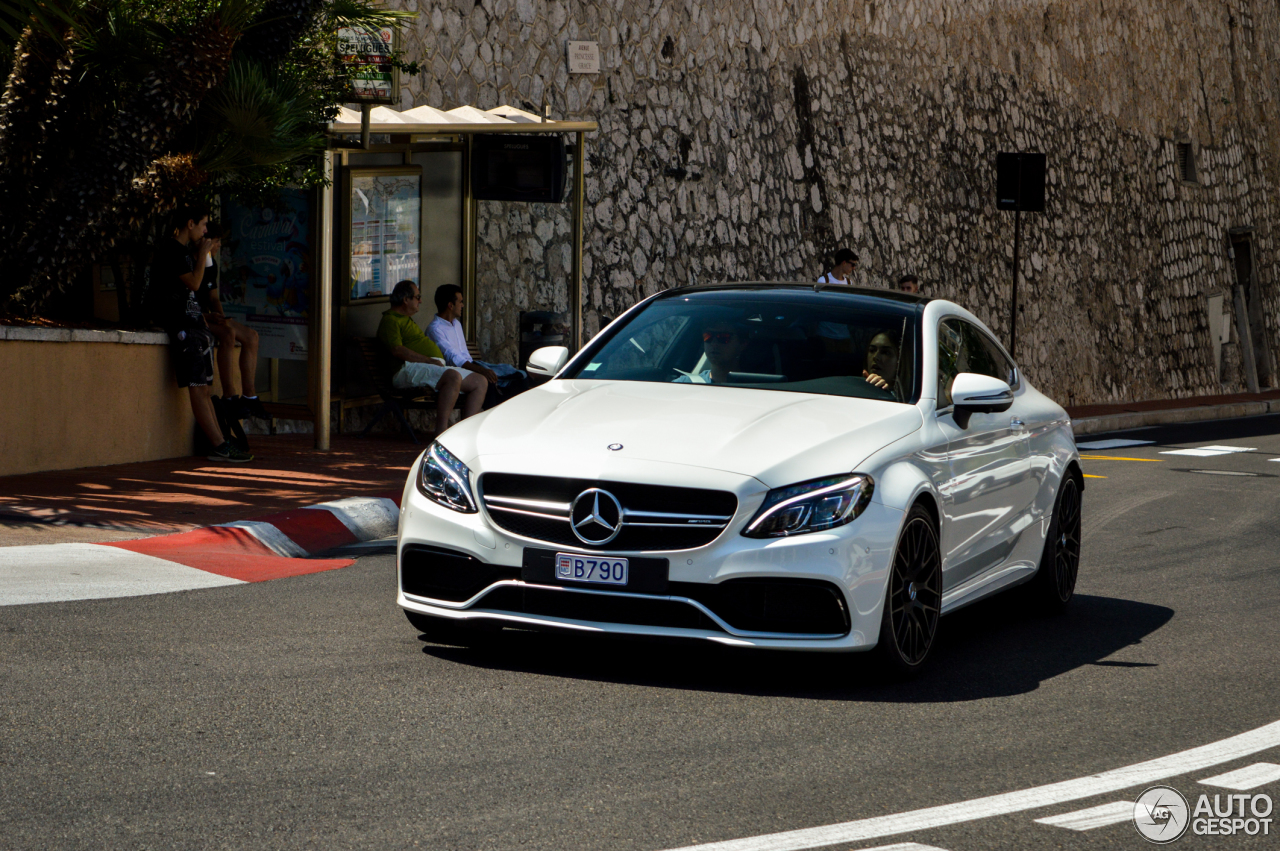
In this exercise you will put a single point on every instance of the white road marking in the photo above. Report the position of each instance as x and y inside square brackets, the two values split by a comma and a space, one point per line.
[48, 573]
[1093, 817]
[367, 517]
[903, 846]
[1208, 451]
[271, 537]
[1113, 444]
[1104, 783]
[1246, 778]
[1225, 473]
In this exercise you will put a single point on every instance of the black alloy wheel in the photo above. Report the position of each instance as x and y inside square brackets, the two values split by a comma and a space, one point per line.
[913, 601]
[1055, 581]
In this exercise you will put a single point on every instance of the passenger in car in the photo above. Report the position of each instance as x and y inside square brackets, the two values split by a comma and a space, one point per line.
[723, 343]
[882, 364]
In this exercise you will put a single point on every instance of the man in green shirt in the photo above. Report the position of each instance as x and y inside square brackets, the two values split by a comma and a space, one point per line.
[418, 362]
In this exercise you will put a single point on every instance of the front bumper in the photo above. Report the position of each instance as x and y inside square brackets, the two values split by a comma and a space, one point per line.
[734, 591]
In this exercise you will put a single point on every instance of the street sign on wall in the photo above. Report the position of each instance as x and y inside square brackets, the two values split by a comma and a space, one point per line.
[584, 57]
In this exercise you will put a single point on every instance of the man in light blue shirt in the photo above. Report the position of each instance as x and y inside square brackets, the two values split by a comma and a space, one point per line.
[447, 332]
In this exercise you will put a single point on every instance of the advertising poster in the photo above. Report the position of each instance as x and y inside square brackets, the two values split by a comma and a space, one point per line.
[265, 273]
[386, 221]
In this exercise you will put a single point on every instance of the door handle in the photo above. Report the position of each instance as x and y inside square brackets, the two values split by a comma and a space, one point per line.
[1016, 423]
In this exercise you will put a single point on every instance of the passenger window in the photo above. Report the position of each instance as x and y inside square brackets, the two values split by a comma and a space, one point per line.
[951, 359]
[985, 357]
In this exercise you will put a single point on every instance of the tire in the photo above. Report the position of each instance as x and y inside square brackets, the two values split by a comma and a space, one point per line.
[913, 597]
[1054, 584]
[459, 633]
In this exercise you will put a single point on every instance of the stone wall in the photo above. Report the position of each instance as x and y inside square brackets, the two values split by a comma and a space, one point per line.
[748, 140]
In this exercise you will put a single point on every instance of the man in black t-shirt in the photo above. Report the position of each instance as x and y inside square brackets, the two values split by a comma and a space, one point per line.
[176, 275]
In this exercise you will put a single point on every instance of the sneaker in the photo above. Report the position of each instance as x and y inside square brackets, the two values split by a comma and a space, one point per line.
[233, 408]
[231, 454]
[253, 408]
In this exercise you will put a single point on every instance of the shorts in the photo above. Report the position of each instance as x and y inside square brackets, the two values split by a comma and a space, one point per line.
[193, 357]
[421, 375]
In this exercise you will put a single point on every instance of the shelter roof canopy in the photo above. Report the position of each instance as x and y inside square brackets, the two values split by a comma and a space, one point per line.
[461, 120]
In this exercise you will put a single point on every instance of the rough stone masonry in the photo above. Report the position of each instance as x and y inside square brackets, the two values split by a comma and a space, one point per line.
[748, 140]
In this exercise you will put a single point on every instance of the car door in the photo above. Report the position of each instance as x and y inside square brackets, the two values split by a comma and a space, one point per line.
[986, 492]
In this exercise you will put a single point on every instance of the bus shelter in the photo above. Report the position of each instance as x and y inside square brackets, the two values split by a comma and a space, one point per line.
[399, 202]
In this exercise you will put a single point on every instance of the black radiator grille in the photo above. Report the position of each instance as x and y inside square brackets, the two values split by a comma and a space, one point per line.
[552, 525]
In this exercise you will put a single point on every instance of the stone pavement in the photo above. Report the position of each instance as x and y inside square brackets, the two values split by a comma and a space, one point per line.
[188, 523]
[181, 494]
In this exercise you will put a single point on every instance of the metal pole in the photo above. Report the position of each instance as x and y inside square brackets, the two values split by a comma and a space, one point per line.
[323, 314]
[1246, 339]
[470, 237]
[579, 200]
[365, 109]
[1013, 304]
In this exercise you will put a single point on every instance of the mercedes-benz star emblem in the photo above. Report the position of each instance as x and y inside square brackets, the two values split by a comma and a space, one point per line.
[595, 517]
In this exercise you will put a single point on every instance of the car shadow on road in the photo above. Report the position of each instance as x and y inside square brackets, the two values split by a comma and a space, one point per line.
[992, 649]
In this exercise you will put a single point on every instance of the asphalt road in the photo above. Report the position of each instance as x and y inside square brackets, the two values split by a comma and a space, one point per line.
[307, 713]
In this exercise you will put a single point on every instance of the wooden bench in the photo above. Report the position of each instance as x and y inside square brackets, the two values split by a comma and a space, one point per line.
[377, 363]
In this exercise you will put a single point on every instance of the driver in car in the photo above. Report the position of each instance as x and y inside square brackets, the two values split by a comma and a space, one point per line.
[723, 344]
[882, 364]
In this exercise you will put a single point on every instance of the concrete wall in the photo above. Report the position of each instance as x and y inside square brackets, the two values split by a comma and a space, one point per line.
[749, 140]
[80, 404]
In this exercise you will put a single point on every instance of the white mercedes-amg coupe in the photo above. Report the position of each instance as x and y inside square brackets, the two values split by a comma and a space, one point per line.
[789, 466]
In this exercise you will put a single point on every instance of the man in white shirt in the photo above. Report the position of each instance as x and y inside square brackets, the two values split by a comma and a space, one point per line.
[842, 272]
[834, 335]
[447, 332]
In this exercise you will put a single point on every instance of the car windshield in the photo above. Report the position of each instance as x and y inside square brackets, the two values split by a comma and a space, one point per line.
[794, 340]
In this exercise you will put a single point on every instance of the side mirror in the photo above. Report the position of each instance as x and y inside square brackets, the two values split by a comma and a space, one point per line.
[978, 394]
[547, 361]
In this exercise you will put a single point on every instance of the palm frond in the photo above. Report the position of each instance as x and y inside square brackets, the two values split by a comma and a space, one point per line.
[52, 17]
[260, 117]
[354, 13]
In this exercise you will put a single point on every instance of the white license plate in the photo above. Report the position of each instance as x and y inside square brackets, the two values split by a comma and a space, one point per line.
[576, 567]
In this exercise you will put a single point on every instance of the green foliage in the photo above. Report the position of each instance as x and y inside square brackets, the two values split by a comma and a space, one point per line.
[114, 110]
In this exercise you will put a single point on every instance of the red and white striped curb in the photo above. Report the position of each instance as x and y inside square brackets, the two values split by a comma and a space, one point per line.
[271, 547]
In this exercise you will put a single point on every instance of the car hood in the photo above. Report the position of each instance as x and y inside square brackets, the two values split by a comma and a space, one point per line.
[565, 428]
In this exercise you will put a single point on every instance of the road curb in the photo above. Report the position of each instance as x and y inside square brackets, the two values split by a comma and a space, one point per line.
[274, 546]
[1171, 416]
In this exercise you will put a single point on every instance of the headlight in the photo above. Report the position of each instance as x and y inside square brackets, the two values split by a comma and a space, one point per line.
[446, 480]
[811, 506]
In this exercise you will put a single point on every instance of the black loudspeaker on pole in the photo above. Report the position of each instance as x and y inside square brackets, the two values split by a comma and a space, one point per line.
[1019, 187]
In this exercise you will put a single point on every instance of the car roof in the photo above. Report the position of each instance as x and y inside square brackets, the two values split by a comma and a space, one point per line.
[871, 292]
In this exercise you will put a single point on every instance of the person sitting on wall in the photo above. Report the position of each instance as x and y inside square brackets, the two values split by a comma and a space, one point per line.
[418, 362]
[228, 332]
[177, 273]
[446, 330]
